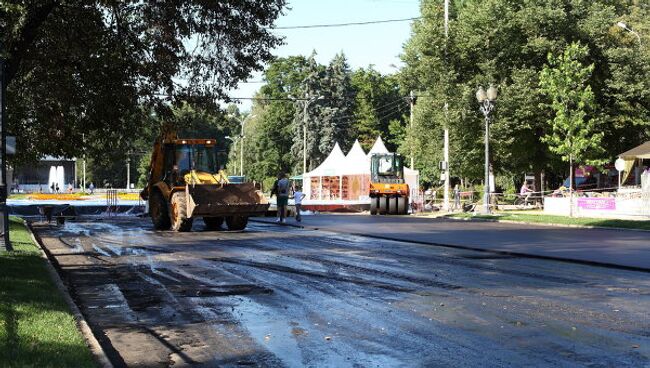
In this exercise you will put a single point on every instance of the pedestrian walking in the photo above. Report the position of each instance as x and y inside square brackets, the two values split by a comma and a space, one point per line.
[52, 187]
[57, 188]
[457, 197]
[298, 196]
[281, 191]
[91, 187]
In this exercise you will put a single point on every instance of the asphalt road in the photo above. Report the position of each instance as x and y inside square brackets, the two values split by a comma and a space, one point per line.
[626, 248]
[276, 296]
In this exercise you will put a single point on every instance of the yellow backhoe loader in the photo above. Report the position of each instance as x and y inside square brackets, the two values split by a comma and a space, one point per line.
[186, 180]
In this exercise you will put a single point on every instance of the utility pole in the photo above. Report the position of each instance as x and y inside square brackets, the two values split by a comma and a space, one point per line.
[5, 244]
[304, 136]
[241, 149]
[128, 172]
[446, 137]
[412, 104]
[304, 128]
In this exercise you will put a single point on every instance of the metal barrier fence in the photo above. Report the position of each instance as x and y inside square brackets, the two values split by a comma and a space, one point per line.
[111, 201]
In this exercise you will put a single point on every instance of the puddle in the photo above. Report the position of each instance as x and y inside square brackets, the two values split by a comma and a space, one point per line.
[271, 332]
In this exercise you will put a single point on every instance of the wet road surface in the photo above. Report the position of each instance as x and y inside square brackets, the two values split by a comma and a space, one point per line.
[277, 296]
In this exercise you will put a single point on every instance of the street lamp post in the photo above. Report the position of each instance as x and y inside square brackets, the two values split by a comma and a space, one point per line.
[4, 214]
[128, 172]
[486, 101]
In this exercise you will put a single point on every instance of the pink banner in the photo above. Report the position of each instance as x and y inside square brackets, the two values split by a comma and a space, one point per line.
[607, 204]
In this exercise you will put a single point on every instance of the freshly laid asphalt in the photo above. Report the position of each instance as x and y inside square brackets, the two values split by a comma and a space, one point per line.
[620, 248]
[279, 296]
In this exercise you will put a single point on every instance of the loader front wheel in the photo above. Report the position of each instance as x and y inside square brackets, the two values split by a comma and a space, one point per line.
[236, 222]
[178, 213]
[158, 211]
[213, 223]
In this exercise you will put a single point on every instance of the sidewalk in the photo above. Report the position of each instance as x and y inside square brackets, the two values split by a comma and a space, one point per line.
[619, 248]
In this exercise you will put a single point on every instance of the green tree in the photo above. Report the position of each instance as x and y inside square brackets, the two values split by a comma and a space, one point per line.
[337, 115]
[505, 43]
[574, 134]
[380, 108]
[269, 132]
[311, 89]
[88, 67]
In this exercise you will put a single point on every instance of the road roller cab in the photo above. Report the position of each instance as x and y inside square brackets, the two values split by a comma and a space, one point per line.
[389, 193]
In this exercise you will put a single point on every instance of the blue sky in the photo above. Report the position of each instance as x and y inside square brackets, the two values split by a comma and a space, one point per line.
[376, 44]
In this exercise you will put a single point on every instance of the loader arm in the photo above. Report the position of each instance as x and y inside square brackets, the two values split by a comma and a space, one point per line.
[156, 164]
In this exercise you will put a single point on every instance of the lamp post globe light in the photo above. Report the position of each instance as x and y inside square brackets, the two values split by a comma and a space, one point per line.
[486, 102]
[625, 27]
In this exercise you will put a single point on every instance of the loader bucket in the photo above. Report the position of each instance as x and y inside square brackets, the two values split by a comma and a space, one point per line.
[216, 200]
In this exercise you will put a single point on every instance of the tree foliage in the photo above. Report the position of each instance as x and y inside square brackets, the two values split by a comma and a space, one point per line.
[573, 133]
[345, 104]
[91, 67]
[380, 107]
[505, 43]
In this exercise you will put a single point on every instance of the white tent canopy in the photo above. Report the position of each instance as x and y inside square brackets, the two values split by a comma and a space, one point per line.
[378, 147]
[357, 162]
[346, 177]
[331, 165]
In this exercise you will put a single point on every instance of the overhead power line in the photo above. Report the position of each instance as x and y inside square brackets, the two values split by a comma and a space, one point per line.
[348, 24]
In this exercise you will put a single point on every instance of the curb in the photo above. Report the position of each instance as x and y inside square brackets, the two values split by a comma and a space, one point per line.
[95, 348]
[463, 247]
[574, 226]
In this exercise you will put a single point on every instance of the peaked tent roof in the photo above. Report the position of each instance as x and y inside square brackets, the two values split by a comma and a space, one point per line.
[332, 165]
[357, 162]
[378, 147]
[641, 151]
[409, 171]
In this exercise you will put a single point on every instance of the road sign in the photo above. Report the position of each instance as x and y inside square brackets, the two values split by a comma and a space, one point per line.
[619, 164]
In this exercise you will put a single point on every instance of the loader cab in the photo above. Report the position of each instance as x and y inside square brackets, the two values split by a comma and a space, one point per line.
[387, 168]
[184, 155]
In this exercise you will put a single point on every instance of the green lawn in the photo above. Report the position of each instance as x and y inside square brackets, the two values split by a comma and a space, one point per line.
[36, 326]
[549, 219]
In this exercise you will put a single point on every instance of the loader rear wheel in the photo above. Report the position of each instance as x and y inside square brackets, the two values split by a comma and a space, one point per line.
[236, 222]
[402, 205]
[374, 203]
[213, 223]
[158, 211]
[392, 206]
[178, 212]
[383, 205]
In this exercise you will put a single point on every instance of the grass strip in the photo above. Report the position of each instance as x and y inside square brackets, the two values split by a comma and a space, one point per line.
[559, 220]
[36, 326]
